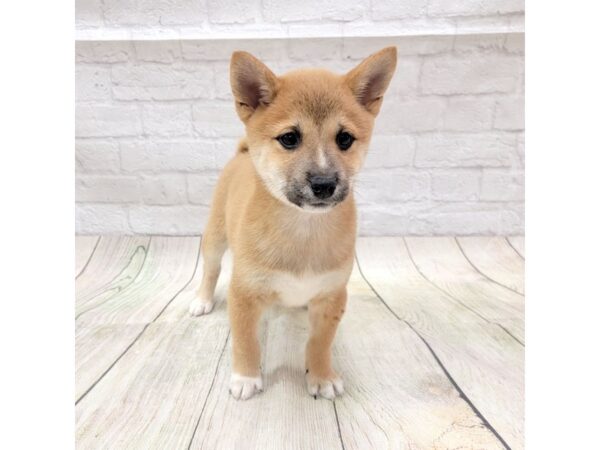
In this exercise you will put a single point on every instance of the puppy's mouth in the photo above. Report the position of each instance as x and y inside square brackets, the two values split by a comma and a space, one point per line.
[305, 200]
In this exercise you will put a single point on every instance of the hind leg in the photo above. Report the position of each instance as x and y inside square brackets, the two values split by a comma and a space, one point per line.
[214, 244]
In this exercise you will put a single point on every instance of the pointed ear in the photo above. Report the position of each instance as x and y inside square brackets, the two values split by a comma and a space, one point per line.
[252, 84]
[369, 80]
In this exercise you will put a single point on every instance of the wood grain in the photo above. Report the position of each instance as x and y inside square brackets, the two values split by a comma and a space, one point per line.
[495, 259]
[518, 243]
[484, 361]
[84, 247]
[440, 261]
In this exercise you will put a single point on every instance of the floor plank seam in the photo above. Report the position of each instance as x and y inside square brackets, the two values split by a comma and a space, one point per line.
[513, 247]
[337, 421]
[147, 250]
[145, 327]
[487, 277]
[89, 258]
[452, 297]
[209, 390]
[439, 362]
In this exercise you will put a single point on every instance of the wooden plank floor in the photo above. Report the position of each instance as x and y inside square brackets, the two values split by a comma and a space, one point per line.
[431, 349]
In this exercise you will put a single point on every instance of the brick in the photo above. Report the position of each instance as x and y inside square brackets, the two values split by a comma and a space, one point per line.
[308, 49]
[92, 83]
[474, 7]
[168, 220]
[406, 78]
[391, 185]
[167, 189]
[216, 120]
[423, 114]
[162, 82]
[107, 189]
[394, 219]
[103, 51]
[390, 151]
[393, 9]
[106, 120]
[515, 43]
[469, 114]
[510, 114]
[200, 187]
[233, 11]
[221, 50]
[359, 48]
[479, 42]
[222, 84]
[455, 185]
[486, 73]
[101, 219]
[88, 13]
[157, 51]
[284, 11]
[167, 120]
[168, 156]
[152, 13]
[521, 148]
[465, 150]
[96, 156]
[502, 185]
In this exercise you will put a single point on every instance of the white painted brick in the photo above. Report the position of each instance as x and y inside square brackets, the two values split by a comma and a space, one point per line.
[423, 114]
[469, 114]
[391, 185]
[107, 189]
[180, 219]
[474, 7]
[479, 42]
[510, 113]
[455, 185]
[393, 9]
[360, 48]
[103, 52]
[515, 43]
[101, 219]
[286, 11]
[92, 83]
[169, 156]
[222, 84]
[215, 120]
[157, 51]
[521, 149]
[406, 78]
[484, 73]
[390, 151]
[307, 49]
[200, 187]
[393, 219]
[96, 156]
[107, 120]
[221, 50]
[233, 11]
[88, 13]
[162, 82]
[502, 185]
[169, 120]
[169, 189]
[464, 150]
[153, 13]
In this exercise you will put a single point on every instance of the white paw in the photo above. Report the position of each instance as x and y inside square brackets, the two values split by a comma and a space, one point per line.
[242, 388]
[328, 388]
[199, 307]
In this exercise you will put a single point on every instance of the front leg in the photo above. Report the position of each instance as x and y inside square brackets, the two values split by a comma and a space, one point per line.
[244, 316]
[324, 314]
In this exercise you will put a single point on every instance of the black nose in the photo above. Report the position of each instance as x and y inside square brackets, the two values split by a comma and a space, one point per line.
[323, 186]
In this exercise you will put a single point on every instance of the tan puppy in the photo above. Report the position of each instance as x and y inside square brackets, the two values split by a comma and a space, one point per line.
[284, 205]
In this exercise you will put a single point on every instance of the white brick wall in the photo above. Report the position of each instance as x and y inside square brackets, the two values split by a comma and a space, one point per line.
[155, 121]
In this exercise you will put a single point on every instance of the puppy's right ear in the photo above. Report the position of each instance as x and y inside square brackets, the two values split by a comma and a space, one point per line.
[252, 83]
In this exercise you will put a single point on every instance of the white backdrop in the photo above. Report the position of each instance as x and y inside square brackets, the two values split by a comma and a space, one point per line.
[155, 120]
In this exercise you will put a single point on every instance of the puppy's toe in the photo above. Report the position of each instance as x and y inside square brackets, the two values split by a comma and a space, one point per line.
[242, 388]
[200, 307]
[328, 387]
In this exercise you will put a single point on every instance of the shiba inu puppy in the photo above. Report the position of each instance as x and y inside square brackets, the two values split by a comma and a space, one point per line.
[284, 205]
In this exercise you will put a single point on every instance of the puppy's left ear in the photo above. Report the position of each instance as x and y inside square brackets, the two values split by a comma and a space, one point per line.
[370, 79]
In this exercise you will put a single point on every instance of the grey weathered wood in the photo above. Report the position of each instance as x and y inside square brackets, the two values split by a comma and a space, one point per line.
[84, 247]
[440, 261]
[495, 259]
[105, 332]
[484, 361]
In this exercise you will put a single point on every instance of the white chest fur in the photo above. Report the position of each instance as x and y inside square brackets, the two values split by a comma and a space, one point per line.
[294, 290]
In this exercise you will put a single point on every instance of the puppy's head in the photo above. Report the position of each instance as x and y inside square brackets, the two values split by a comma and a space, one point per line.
[308, 131]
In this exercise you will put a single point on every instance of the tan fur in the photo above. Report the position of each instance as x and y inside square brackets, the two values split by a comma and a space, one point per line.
[271, 236]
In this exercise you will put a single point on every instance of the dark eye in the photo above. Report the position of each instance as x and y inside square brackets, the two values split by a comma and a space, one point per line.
[289, 140]
[344, 140]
